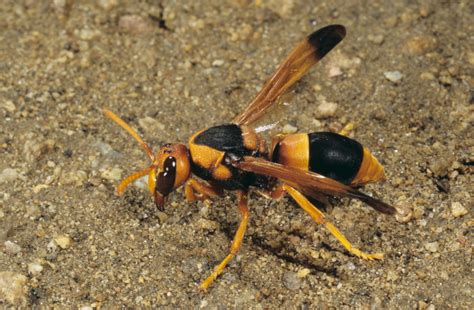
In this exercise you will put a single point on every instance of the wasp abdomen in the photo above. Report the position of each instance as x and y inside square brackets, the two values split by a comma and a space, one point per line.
[330, 154]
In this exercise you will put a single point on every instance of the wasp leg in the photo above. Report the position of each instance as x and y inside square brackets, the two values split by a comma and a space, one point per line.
[125, 182]
[346, 130]
[319, 218]
[195, 190]
[276, 193]
[239, 235]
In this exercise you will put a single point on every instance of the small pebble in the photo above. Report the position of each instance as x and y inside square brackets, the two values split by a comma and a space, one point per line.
[217, 63]
[112, 174]
[9, 106]
[34, 269]
[420, 45]
[63, 241]
[8, 175]
[427, 76]
[350, 266]
[135, 24]
[292, 281]
[440, 167]
[458, 210]
[289, 129]
[107, 4]
[433, 247]
[284, 8]
[470, 58]
[207, 225]
[13, 288]
[150, 124]
[303, 273]
[335, 71]
[376, 38]
[38, 188]
[75, 177]
[52, 246]
[12, 248]
[393, 76]
[326, 109]
[33, 150]
[87, 34]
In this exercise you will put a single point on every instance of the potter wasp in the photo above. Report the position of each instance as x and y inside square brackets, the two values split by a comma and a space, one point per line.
[308, 167]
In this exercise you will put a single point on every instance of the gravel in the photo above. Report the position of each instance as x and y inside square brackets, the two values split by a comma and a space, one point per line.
[172, 68]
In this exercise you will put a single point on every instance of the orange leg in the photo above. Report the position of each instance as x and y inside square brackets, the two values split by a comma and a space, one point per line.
[195, 190]
[347, 129]
[236, 243]
[277, 193]
[319, 218]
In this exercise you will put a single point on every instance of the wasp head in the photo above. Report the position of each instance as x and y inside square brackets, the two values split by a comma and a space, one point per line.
[170, 169]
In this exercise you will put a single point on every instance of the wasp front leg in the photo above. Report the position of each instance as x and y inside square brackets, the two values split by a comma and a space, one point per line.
[195, 190]
[236, 243]
[319, 218]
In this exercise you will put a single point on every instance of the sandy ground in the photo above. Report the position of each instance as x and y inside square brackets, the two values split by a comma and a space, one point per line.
[403, 76]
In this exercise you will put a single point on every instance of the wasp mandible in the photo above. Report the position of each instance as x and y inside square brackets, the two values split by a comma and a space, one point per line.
[233, 156]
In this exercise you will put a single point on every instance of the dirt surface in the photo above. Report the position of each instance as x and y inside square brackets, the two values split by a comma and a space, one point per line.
[403, 76]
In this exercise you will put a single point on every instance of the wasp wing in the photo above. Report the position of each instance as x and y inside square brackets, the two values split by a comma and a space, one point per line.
[310, 183]
[303, 56]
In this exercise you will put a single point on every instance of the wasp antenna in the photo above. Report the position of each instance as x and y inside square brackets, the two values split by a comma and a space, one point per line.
[130, 130]
[125, 182]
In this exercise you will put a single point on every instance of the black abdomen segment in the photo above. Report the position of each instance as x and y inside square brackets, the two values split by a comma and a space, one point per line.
[335, 156]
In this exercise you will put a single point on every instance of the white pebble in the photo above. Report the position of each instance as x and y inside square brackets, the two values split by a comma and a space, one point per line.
[291, 281]
[13, 287]
[107, 4]
[9, 106]
[217, 63]
[335, 71]
[34, 269]
[433, 247]
[8, 175]
[289, 129]
[458, 210]
[112, 174]
[64, 241]
[326, 109]
[393, 76]
[87, 34]
[12, 248]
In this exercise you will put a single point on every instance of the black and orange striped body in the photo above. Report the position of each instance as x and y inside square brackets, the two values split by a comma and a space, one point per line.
[329, 154]
[213, 150]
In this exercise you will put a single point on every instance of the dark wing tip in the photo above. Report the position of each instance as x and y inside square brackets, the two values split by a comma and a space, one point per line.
[377, 204]
[326, 38]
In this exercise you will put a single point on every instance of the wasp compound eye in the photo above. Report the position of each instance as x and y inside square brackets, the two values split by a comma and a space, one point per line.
[165, 179]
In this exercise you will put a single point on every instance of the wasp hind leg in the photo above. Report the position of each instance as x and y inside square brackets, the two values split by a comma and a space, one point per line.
[236, 243]
[346, 129]
[195, 190]
[319, 218]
